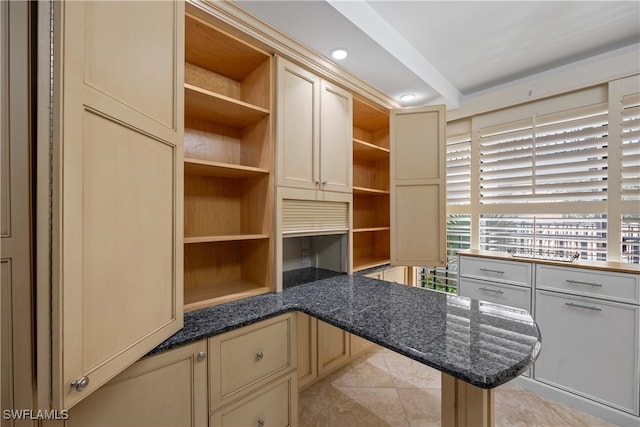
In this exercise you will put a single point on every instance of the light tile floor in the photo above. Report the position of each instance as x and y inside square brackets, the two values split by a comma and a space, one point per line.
[385, 389]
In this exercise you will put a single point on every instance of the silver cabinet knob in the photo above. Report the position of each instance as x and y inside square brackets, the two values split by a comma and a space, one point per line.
[260, 422]
[202, 355]
[259, 355]
[81, 383]
[324, 182]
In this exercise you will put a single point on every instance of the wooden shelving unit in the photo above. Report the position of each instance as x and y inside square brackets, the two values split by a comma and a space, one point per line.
[371, 210]
[228, 185]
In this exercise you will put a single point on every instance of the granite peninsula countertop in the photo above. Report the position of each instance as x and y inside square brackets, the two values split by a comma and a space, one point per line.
[480, 343]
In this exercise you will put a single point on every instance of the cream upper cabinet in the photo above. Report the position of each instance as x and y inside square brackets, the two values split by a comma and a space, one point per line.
[313, 132]
[117, 268]
[418, 186]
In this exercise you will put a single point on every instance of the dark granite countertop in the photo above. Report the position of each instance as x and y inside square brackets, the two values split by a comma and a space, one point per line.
[481, 343]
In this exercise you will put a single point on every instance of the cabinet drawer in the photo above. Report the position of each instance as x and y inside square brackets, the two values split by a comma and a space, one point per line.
[273, 405]
[589, 347]
[247, 358]
[514, 296]
[512, 272]
[601, 284]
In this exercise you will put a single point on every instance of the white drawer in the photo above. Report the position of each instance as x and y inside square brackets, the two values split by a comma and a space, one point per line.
[272, 405]
[512, 272]
[622, 287]
[514, 296]
[246, 358]
[589, 347]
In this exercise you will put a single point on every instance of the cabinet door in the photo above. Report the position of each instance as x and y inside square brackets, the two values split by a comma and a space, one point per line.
[307, 349]
[336, 138]
[590, 347]
[418, 186]
[169, 389]
[117, 188]
[395, 274]
[333, 348]
[298, 126]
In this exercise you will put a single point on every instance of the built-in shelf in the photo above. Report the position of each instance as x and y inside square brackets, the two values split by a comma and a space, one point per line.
[225, 238]
[206, 105]
[219, 169]
[228, 165]
[219, 293]
[370, 152]
[363, 191]
[370, 229]
[365, 263]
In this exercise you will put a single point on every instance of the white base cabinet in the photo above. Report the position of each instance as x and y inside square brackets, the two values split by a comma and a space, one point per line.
[589, 319]
[589, 347]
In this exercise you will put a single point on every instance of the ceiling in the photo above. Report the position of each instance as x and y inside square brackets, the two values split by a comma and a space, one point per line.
[451, 50]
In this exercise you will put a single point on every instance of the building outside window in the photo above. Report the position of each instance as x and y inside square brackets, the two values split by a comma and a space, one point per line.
[550, 179]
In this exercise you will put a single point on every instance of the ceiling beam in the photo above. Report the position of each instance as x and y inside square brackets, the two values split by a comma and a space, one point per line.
[363, 16]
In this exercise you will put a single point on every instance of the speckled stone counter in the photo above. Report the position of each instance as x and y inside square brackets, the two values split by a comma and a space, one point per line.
[480, 343]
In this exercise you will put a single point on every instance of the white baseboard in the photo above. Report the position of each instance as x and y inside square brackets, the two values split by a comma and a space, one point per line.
[596, 409]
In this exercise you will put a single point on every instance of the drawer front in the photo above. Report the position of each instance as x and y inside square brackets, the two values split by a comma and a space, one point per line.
[600, 284]
[590, 347]
[246, 358]
[514, 296]
[512, 272]
[273, 405]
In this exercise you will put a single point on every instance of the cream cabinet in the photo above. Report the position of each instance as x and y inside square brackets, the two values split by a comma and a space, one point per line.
[418, 186]
[252, 374]
[169, 389]
[117, 191]
[333, 348]
[313, 131]
[307, 349]
[591, 341]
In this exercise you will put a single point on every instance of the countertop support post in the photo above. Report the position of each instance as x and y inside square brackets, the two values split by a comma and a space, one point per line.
[465, 405]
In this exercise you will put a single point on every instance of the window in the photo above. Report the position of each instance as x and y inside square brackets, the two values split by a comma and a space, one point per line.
[548, 177]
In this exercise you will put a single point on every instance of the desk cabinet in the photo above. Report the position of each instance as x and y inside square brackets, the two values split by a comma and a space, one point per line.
[169, 389]
[590, 344]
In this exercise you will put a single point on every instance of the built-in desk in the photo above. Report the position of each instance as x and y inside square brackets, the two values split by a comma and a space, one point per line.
[476, 345]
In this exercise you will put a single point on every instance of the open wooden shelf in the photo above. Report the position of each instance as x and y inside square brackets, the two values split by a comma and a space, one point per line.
[221, 271]
[196, 298]
[224, 238]
[228, 165]
[371, 196]
[213, 107]
[223, 170]
[370, 229]
[367, 151]
[364, 191]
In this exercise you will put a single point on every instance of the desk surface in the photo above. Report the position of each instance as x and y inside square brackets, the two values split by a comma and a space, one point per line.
[477, 342]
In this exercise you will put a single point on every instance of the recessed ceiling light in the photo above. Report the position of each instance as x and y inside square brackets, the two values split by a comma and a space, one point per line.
[407, 97]
[339, 53]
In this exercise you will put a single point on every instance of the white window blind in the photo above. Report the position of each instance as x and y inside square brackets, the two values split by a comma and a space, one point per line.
[631, 147]
[556, 157]
[459, 169]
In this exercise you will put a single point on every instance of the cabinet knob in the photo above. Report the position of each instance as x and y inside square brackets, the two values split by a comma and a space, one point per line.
[317, 181]
[81, 383]
[202, 355]
[324, 182]
[260, 422]
[259, 355]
